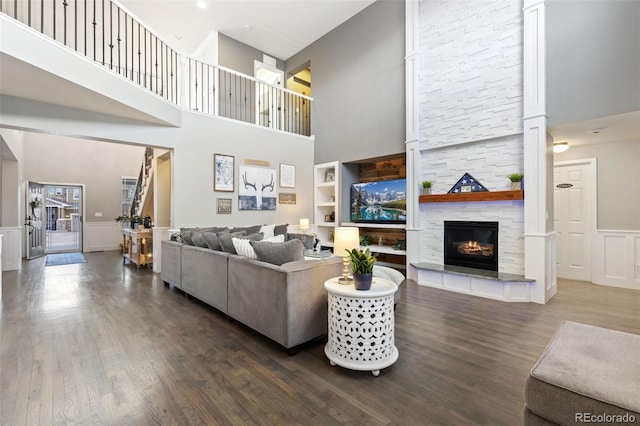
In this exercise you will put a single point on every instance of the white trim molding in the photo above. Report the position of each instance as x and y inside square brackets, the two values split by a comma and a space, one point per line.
[160, 235]
[11, 248]
[102, 236]
[616, 259]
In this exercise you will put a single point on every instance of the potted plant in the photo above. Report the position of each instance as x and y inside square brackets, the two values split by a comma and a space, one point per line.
[136, 220]
[362, 267]
[123, 220]
[516, 181]
[426, 187]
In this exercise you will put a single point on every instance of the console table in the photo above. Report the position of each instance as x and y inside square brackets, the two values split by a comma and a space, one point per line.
[361, 325]
[137, 247]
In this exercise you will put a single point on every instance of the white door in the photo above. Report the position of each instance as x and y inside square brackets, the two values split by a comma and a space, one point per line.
[574, 216]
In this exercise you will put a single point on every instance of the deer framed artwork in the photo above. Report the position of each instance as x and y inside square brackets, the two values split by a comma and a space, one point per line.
[257, 189]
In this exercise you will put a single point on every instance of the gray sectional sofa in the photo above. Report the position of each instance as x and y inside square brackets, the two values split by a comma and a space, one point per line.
[285, 303]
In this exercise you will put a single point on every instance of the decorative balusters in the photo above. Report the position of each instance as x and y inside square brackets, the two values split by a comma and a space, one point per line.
[207, 88]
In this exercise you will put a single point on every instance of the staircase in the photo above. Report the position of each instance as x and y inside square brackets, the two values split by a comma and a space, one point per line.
[142, 204]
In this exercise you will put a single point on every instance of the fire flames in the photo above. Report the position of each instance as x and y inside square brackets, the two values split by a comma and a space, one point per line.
[474, 248]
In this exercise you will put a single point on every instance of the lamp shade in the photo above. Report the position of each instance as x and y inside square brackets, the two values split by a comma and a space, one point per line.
[304, 224]
[345, 238]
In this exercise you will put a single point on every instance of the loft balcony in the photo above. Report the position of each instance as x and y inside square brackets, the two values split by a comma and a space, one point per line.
[95, 56]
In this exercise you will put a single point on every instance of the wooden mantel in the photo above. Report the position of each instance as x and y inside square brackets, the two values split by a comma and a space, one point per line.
[473, 196]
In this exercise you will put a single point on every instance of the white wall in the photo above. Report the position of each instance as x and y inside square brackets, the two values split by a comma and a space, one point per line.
[618, 186]
[99, 166]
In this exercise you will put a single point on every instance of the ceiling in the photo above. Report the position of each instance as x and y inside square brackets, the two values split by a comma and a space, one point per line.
[279, 28]
[614, 128]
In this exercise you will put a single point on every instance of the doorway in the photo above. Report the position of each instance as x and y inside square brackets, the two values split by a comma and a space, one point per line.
[269, 111]
[574, 217]
[54, 219]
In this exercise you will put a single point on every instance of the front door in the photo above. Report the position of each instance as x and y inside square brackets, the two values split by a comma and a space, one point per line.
[574, 218]
[64, 218]
[34, 221]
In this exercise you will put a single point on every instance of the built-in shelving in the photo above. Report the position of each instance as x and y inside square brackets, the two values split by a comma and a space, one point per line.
[325, 200]
[376, 225]
[473, 196]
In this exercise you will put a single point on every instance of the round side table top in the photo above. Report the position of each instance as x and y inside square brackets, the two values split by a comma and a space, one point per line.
[379, 287]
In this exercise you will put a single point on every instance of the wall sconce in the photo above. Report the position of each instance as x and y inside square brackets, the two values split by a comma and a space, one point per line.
[560, 147]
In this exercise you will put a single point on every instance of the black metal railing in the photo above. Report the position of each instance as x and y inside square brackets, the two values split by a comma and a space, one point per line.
[223, 92]
[102, 31]
[105, 33]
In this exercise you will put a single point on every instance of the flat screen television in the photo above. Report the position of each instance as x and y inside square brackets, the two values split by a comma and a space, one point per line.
[383, 201]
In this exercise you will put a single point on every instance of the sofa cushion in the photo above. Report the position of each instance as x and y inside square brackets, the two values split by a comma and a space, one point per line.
[243, 246]
[279, 253]
[197, 235]
[185, 233]
[307, 239]
[281, 229]
[226, 241]
[268, 231]
[248, 230]
[212, 240]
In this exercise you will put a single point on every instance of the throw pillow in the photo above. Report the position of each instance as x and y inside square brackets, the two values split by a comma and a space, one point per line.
[307, 240]
[243, 245]
[226, 240]
[243, 248]
[248, 230]
[186, 236]
[267, 230]
[197, 237]
[212, 240]
[279, 253]
[281, 229]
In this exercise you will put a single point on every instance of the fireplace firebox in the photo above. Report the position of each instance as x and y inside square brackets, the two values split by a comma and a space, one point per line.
[471, 244]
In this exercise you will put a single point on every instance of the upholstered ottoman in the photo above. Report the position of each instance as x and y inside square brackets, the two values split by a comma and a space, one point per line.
[586, 374]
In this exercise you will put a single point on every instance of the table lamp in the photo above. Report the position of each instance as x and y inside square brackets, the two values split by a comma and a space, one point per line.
[304, 225]
[345, 238]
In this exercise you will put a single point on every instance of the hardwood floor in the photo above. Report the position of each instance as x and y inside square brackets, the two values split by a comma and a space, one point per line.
[102, 343]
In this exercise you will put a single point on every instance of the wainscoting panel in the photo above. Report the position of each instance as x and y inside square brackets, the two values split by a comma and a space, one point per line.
[616, 259]
[102, 236]
[11, 248]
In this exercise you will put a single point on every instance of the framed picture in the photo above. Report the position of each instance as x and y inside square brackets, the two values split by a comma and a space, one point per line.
[223, 172]
[287, 176]
[330, 176]
[258, 190]
[223, 205]
[286, 198]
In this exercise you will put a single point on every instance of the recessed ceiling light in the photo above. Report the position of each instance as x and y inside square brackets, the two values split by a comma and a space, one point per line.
[595, 131]
[178, 37]
[247, 27]
[559, 147]
[202, 4]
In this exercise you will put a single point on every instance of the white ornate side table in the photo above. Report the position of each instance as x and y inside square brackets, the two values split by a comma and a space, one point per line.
[361, 325]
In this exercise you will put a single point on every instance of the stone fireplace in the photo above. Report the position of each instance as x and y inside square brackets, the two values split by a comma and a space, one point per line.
[471, 244]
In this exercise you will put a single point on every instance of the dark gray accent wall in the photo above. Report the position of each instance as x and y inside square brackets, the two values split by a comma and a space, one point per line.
[239, 56]
[593, 59]
[358, 84]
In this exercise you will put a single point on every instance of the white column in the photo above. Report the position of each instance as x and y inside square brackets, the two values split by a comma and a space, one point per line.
[412, 143]
[538, 160]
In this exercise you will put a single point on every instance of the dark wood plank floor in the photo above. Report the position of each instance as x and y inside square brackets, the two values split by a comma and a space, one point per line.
[102, 343]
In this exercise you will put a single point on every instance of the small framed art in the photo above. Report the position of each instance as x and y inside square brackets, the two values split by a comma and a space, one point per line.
[287, 176]
[223, 205]
[223, 172]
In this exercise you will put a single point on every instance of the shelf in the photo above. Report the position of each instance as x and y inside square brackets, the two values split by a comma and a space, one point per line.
[376, 225]
[330, 224]
[374, 248]
[473, 196]
[326, 184]
[326, 204]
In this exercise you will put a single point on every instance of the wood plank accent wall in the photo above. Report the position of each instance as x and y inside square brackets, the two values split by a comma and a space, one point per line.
[383, 170]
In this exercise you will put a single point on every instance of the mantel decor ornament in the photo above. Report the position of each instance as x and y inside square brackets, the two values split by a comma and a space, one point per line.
[467, 183]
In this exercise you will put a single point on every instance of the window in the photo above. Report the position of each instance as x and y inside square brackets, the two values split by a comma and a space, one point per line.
[128, 190]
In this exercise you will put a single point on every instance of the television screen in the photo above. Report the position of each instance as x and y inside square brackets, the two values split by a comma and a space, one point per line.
[382, 201]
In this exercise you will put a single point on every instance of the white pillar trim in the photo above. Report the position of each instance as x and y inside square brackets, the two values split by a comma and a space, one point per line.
[540, 240]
